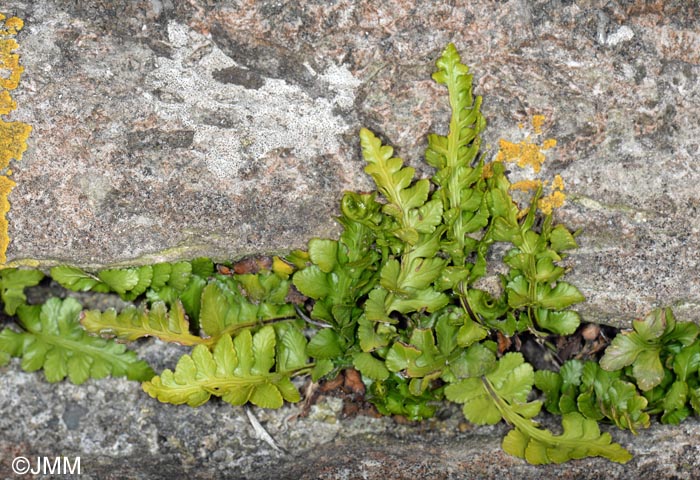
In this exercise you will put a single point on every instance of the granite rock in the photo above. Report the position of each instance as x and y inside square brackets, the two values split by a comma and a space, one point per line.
[120, 433]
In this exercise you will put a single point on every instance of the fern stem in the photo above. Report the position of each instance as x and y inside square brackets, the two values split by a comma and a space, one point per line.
[233, 329]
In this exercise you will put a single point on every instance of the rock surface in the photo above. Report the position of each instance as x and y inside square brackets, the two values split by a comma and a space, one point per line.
[120, 433]
[168, 129]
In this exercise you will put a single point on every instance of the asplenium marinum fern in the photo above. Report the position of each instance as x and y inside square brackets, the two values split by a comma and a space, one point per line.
[396, 297]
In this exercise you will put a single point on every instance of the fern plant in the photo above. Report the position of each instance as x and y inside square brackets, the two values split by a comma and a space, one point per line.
[253, 368]
[51, 339]
[395, 297]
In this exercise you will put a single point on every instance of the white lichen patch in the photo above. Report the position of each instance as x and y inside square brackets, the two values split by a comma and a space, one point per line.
[342, 82]
[623, 34]
[278, 115]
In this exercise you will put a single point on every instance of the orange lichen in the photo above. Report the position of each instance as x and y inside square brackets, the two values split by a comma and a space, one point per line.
[551, 201]
[537, 122]
[556, 197]
[526, 185]
[10, 69]
[13, 135]
[526, 153]
[13, 141]
[6, 103]
[549, 143]
[6, 186]
[558, 183]
[523, 153]
[11, 26]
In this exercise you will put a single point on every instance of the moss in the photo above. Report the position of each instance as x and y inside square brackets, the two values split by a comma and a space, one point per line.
[25, 262]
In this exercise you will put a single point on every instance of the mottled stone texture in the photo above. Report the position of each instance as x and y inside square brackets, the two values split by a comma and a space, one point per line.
[119, 433]
[170, 129]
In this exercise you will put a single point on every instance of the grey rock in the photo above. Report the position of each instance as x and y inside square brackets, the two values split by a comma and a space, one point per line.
[118, 432]
[172, 129]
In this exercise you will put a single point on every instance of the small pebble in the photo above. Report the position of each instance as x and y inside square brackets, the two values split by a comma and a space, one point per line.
[590, 332]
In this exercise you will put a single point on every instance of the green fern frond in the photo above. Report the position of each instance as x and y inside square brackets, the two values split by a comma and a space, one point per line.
[13, 281]
[134, 323]
[129, 283]
[54, 341]
[239, 370]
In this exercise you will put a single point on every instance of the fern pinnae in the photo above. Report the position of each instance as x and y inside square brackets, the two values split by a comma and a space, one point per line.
[239, 370]
[131, 324]
[54, 341]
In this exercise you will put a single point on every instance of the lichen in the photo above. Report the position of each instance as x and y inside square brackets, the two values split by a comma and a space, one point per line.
[528, 153]
[6, 186]
[6, 103]
[13, 141]
[556, 197]
[13, 135]
[526, 185]
[551, 201]
[549, 143]
[558, 182]
[10, 69]
[11, 26]
[537, 122]
[525, 153]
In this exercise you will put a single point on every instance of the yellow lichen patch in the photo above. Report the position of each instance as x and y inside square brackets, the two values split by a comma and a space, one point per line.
[549, 143]
[527, 153]
[523, 153]
[12, 25]
[537, 122]
[6, 103]
[551, 201]
[556, 197]
[526, 185]
[10, 69]
[6, 186]
[13, 135]
[13, 141]
[558, 183]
